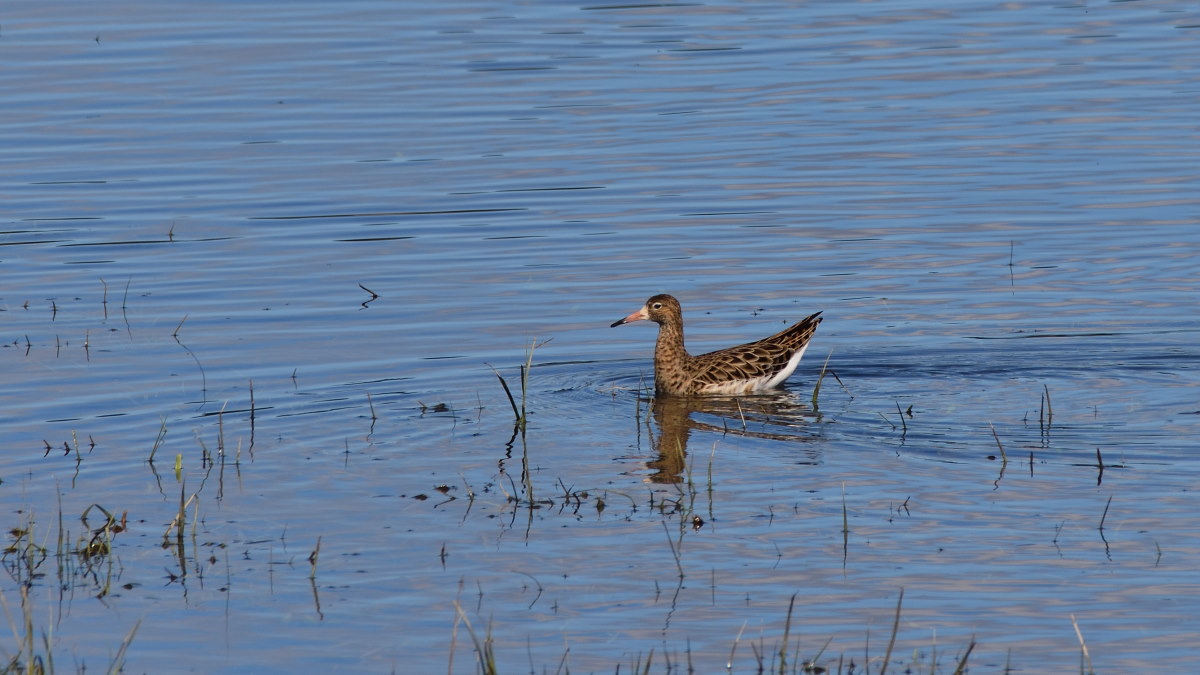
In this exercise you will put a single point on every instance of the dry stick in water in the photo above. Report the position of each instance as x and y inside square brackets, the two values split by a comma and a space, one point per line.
[845, 528]
[1012, 280]
[1105, 514]
[251, 446]
[124, 307]
[203, 375]
[841, 384]
[162, 433]
[373, 298]
[221, 429]
[312, 559]
[1003, 457]
[1046, 412]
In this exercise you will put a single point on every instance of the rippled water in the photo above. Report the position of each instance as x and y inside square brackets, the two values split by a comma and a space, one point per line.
[286, 245]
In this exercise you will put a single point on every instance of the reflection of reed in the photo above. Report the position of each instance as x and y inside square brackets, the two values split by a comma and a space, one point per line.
[778, 416]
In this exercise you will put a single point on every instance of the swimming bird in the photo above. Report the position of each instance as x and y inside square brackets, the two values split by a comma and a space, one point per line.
[745, 369]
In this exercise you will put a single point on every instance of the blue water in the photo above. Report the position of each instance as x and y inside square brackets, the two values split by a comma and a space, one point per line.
[992, 205]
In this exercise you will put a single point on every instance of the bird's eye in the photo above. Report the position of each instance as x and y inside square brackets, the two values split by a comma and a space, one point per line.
[658, 305]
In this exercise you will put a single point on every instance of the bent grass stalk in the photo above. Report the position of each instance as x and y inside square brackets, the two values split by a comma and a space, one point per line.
[520, 416]
[1003, 457]
[820, 377]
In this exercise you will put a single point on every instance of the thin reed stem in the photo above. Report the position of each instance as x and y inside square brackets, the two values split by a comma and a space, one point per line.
[887, 655]
[787, 629]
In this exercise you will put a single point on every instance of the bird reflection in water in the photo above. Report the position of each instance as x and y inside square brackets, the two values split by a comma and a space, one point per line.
[778, 416]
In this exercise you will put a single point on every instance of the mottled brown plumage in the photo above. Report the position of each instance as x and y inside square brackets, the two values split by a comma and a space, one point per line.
[744, 369]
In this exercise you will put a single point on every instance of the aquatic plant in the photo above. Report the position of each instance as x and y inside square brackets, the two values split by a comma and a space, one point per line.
[520, 415]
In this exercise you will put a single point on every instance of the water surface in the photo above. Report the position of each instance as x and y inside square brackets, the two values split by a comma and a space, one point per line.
[287, 244]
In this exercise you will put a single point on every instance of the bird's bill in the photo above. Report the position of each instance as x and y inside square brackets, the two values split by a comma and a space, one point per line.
[640, 315]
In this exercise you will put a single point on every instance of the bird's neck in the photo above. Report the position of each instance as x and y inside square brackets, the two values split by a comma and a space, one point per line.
[670, 341]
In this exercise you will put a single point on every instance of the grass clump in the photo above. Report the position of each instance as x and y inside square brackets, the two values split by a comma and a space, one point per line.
[520, 414]
[87, 559]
